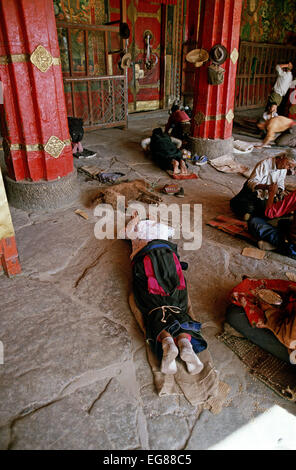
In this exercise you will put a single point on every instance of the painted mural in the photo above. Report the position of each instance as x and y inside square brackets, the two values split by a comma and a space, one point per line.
[269, 21]
[80, 11]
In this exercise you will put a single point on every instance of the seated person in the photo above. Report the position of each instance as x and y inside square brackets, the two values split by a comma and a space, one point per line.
[176, 121]
[283, 82]
[165, 152]
[275, 125]
[252, 199]
[271, 112]
[237, 318]
[263, 310]
[160, 294]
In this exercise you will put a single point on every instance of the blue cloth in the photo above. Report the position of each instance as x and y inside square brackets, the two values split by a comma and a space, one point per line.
[261, 229]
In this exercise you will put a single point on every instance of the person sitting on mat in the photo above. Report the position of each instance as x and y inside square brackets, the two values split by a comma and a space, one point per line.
[160, 293]
[177, 121]
[252, 199]
[165, 153]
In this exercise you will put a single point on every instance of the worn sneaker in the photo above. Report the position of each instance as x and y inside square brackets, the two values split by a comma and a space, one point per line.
[180, 193]
[203, 160]
[171, 189]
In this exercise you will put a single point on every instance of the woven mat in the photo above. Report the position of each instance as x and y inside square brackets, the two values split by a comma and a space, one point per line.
[235, 227]
[273, 372]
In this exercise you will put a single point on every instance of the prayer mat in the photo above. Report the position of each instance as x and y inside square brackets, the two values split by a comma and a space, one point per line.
[237, 228]
[272, 371]
[203, 389]
[180, 176]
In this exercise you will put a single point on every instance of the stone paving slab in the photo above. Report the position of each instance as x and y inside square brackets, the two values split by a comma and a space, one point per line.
[75, 374]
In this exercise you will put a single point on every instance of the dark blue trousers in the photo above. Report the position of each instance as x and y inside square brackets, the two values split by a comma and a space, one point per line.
[261, 229]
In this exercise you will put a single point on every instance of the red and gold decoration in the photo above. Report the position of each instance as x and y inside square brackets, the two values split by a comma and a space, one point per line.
[214, 103]
[36, 143]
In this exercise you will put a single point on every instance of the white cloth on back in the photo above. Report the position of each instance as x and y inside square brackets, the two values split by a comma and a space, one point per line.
[284, 81]
[266, 172]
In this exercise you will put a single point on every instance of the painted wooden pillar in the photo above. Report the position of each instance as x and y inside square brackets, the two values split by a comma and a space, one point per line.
[213, 109]
[36, 143]
[9, 261]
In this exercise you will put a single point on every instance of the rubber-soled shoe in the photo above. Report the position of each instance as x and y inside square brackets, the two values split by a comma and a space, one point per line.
[203, 160]
[180, 193]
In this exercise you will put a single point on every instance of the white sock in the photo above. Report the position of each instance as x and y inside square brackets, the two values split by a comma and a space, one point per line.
[170, 352]
[193, 363]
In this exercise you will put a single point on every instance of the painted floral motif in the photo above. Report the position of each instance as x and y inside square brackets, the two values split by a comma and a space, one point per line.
[268, 21]
[80, 11]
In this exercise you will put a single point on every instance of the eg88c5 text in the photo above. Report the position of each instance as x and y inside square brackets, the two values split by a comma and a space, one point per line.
[168, 459]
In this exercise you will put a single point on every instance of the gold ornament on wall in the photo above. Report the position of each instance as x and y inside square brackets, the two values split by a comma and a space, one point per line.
[199, 117]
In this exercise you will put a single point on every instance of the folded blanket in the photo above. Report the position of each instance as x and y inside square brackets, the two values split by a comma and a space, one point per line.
[240, 146]
[227, 164]
[202, 389]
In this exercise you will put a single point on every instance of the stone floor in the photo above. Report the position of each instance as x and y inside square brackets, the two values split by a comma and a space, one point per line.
[75, 372]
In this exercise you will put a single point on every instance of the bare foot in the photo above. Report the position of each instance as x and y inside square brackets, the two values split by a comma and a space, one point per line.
[176, 166]
[183, 167]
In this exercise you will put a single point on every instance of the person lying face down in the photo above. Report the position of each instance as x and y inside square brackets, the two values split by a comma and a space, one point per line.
[165, 152]
[160, 293]
[267, 177]
[280, 238]
[273, 126]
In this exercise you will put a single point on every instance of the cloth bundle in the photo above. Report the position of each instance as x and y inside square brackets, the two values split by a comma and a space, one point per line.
[227, 164]
[240, 146]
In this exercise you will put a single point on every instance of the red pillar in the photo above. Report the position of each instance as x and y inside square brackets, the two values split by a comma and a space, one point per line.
[9, 261]
[36, 143]
[213, 109]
